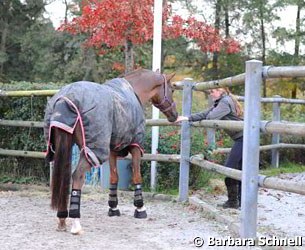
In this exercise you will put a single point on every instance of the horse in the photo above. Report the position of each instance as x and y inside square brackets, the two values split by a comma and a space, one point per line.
[105, 121]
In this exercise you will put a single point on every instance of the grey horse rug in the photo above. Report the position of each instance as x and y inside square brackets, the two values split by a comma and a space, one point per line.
[110, 114]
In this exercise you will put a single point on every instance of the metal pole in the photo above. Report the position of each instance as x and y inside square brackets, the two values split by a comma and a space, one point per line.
[185, 144]
[250, 162]
[156, 65]
[276, 116]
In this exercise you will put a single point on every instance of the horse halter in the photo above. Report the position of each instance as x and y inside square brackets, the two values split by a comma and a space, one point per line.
[165, 105]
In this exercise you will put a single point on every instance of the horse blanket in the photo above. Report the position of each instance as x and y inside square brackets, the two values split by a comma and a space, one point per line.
[110, 114]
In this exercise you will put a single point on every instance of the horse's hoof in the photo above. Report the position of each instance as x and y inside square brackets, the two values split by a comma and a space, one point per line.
[115, 212]
[76, 227]
[61, 226]
[140, 214]
[61, 229]
[77, 232]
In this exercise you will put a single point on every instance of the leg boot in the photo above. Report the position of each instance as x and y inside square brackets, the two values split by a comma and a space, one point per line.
[233, 199]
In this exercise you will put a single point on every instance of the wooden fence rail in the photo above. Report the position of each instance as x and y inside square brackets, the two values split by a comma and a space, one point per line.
[264, 181]
[283, 127]
[24, 93]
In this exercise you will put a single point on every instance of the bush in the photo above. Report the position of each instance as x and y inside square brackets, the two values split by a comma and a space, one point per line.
[168, 173]
[20, 138]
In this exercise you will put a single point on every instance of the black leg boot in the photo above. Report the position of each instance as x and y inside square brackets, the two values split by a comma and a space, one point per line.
[74, 211]
[233, 194]
[113, 201]
[140, 212]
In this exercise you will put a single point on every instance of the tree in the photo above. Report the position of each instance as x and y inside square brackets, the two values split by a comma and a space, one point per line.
[284, 35]
[226, 14]
[258, 15]
[111, 24]
[16, 17]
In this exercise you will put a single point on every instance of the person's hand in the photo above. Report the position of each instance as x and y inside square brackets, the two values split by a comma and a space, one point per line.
[181, 118]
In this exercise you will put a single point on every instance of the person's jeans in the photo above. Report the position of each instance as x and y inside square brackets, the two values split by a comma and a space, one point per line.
[234, 159]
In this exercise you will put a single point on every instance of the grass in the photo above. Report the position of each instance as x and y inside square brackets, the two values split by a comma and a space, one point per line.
[284, 168]
[19, 180]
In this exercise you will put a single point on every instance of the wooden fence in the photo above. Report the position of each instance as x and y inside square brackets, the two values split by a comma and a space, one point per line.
[252, 126]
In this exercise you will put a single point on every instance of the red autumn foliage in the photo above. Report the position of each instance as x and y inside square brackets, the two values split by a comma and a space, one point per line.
[110, 24]
[118, 67]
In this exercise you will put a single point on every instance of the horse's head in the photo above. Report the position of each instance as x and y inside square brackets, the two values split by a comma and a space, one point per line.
[155, 87]
[163, 99]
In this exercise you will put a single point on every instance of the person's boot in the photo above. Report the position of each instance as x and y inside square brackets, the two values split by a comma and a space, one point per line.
[233, 194]
[239, 192]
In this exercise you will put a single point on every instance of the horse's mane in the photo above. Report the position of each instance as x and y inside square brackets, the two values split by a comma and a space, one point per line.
[148, 74]
[136, 71]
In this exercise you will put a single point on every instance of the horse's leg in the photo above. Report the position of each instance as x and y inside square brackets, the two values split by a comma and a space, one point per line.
[114, 178]
[140, 211]
[78, 180]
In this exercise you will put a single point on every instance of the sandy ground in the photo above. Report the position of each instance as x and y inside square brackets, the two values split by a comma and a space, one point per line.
[280, 214]
[27, 222]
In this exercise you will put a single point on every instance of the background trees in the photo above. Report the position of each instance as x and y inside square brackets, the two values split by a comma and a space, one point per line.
[15, 18]
[32, 49]
[113, 24]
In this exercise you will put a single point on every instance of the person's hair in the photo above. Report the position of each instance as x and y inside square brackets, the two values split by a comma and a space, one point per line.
[238, 106]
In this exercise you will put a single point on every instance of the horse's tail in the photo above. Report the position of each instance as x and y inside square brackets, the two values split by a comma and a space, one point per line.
[61, 176]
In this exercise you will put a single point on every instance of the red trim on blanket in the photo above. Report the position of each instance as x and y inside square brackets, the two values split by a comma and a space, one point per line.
[117, 146]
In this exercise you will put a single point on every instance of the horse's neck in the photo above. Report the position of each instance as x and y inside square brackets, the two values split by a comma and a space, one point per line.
[144, 91]
[144, 96]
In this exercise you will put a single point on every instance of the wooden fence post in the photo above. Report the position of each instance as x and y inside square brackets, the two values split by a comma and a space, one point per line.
[185, 144]
[276, 116]
[254, 75]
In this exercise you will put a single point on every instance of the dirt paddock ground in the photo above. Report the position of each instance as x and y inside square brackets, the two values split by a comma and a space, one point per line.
[27, 222]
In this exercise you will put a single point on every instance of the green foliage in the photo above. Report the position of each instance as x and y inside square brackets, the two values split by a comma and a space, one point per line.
[168, 173]
[289, 112]
[21, 180]
[18, 138]
[16, 18]
[15, 169]
[285, 167]
[39, 53]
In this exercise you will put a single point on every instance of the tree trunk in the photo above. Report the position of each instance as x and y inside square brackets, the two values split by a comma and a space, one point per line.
[3, 46]
[5, 25]
[89, 61]
[263, 35]
[227, 21]
[66, 10]
[129, 59]
[297, 32]
[217, 27]
[296, 47]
